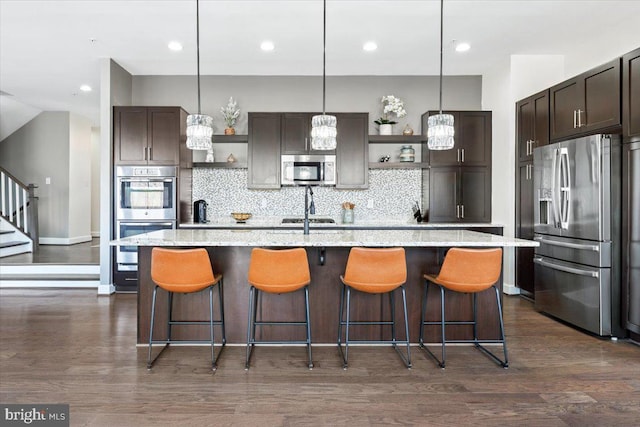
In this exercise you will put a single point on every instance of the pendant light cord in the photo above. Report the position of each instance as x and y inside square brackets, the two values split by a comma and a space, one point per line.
[198, 47]
[441, 38]
[324, 53]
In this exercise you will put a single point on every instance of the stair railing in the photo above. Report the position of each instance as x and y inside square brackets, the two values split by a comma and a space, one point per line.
[19, 205]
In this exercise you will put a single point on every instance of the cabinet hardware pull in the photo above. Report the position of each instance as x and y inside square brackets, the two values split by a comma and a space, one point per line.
[463, 155]
[150, 153]
[527, 147]
[458, 155]
[462, 209]
[575, 119]
[457, 211]
[526, 174]
[144, 153]
[579, 118]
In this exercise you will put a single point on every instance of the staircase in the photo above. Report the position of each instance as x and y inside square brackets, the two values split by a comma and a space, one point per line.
[18, 216]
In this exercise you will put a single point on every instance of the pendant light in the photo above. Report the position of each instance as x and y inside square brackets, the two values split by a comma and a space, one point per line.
[440, 126]
[323, 127]
[199, 126]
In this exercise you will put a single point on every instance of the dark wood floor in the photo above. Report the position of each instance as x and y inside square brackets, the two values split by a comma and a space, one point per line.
[80, 253]
[77, 348]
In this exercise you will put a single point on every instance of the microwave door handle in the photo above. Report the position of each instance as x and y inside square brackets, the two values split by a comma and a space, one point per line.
[565, 269]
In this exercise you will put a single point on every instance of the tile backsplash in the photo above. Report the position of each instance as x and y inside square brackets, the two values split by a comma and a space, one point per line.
[391, 194]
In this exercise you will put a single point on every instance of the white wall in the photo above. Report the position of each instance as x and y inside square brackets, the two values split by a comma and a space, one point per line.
[95, 182]
[303, 93]
[79, 179]
[507, 83]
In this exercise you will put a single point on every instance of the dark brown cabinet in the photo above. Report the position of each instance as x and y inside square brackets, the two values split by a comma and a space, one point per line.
[352, 152]
[631, 94]
[587, 103]
[296, 134]
[524, 228]
[148, 135]
[459, 194]
[532, 124]
[631, 236]
[472, 140]
[263, 151]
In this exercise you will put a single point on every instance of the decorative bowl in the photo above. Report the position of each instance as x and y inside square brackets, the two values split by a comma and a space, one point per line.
[240, 216]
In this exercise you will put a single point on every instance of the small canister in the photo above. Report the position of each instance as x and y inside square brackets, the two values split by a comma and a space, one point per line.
[407, 153]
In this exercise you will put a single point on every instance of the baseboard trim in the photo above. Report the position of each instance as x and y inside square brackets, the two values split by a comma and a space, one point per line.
[64, 240]
[510, 289]
[95, 234]
[106, 289]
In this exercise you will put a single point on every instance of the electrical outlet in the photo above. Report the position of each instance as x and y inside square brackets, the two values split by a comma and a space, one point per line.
[370, 204]
[47, 180]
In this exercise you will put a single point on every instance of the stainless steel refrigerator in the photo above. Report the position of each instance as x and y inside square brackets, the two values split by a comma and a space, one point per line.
[577, 215]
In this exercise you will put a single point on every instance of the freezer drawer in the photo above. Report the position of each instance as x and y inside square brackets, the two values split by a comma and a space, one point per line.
[574, 293]
[595, 254]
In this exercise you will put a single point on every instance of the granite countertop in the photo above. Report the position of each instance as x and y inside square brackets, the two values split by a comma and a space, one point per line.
[320, 238]
[276, 222]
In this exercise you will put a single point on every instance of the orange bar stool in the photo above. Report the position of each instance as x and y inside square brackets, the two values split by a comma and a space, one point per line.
[374, 271]
[185, 271]
[470, 271]
[277, 272]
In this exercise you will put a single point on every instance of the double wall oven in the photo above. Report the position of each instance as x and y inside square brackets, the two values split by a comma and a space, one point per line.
[145, 201]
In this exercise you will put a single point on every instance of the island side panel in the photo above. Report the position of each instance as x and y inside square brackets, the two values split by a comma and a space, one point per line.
[324, 293]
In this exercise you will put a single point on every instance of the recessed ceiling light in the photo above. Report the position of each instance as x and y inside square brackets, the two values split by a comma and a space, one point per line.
[175, 46]
[85, 88]
[370, 46]
[267, 46]
[462, 47]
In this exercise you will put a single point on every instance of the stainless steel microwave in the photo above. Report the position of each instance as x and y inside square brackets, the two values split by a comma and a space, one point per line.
[308, 169]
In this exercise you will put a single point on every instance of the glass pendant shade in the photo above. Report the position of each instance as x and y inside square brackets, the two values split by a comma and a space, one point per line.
[440, 132]
[323, 132]
[199, 131]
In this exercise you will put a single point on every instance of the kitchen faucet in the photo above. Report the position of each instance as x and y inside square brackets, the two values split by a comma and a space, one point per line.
[308, 208]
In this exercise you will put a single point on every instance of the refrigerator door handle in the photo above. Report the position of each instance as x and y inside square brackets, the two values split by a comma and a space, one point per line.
[555, 188]
[566, 269]
[594, 248]
[564, 188]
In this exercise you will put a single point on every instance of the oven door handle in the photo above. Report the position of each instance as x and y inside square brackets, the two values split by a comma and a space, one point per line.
[146, 179]
[144, 224]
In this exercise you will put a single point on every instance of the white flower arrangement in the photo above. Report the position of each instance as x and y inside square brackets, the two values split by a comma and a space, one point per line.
[230, 113]
[392, 105]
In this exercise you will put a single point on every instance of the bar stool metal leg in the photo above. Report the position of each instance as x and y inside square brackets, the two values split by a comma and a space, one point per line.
[306, 297]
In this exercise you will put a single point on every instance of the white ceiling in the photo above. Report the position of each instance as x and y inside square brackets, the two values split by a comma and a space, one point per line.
[49, 48]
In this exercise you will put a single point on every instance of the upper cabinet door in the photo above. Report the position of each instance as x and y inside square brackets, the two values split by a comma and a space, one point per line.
[532, 124]
[631, 94]
[296, 133]
[130, 135]
[264, 151]
[472, 146]
[163, 136]
[352, 153]
[588, 103]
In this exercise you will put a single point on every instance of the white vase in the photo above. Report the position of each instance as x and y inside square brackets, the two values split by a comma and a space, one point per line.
[386, 129]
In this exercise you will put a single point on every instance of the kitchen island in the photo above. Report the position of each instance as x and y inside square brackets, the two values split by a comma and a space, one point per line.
[327, 249]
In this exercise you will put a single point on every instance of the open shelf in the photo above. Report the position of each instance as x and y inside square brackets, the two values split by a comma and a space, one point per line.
[398, 165]
[220, 165]
[223, 139]
[395, 139]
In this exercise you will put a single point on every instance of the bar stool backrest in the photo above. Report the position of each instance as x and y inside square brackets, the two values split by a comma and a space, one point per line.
[475, 269]
[372, 267]
[181, 270]
[281, 270]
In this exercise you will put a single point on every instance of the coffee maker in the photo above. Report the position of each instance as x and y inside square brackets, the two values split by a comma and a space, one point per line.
[200, 211]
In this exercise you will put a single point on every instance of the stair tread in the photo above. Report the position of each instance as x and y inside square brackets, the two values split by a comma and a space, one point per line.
[7, 231]
[13, 243]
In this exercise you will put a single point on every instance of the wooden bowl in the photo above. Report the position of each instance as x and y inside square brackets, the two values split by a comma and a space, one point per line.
[241, 216]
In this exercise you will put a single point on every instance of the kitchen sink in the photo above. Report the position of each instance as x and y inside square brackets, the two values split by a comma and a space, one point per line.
[311, 221]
